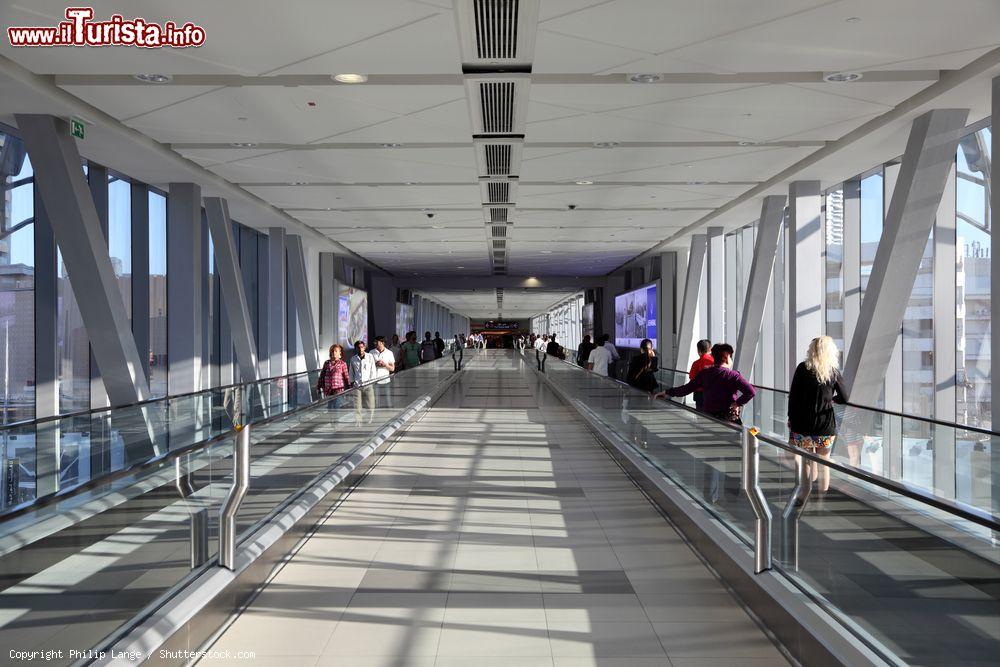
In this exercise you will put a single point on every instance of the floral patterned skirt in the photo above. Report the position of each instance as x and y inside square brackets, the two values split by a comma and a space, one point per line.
[814, 443]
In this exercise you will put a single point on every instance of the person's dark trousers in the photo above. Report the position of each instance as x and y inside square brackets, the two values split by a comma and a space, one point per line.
[699, 401]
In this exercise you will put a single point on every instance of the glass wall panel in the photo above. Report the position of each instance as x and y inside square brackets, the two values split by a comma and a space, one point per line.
[972, 280]
[833, 220]
[157, 295]
[872, 199]
[17, 330]
[120, 236]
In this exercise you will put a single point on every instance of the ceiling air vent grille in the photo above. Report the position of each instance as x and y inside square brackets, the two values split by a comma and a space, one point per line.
[496, 28]
[499, 192]
[498, 214]
[499, 245]
[496, 99]
[497, 159]
[499, 271]
[499, 231]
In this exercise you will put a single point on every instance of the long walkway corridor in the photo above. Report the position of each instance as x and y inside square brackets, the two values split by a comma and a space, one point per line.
[497, 531]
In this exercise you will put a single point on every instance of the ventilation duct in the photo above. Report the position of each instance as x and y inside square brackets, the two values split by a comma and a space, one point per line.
[498, 157]
[499, 245]
[497, 34]
[498, 104]
[498, 190]
[499, 231]
[498, 214]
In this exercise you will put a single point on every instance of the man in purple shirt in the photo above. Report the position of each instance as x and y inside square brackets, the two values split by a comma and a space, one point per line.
[724, 390]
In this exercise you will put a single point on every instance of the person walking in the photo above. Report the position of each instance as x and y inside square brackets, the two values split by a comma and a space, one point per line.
[362, 372]
[703, 361]
[385, 365]
[427, 348]
[642, 367]
[816, 386]
[396, 347]
[438, 345]
[410, 351]
[724, 390]
[583, 351]
[333, 378]
[599, 359]
[554, 349]
[613, 351]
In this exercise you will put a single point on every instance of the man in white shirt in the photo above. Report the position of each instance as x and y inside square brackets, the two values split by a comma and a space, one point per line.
[541, 342]
[362, 371]
[385, 364]
[598, 360]
[612, 350]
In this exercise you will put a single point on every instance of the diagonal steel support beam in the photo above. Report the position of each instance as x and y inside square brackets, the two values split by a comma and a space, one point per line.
[930, 152]
[689, 306]
[303, 305]
[231, 281]
[761, 269]
[77, 229]
[78, 232]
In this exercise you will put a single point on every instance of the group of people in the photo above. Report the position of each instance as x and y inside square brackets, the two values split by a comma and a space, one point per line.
[370, 369]
[475, 341]
[721, 392]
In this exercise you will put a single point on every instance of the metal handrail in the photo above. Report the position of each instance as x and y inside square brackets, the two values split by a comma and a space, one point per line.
[59, 496]
[92, 411]
[237, 492]
[754, 494]
[955, 508]
[881, 411]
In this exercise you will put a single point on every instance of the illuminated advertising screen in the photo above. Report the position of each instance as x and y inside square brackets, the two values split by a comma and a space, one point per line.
[404, 319]
[588, 320]
[635, 316]
[352, 314]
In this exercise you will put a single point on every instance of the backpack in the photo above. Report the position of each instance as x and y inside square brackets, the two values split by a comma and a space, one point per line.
[427, 350]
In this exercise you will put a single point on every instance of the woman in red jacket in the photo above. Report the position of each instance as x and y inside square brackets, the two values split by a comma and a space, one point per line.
[334, 378]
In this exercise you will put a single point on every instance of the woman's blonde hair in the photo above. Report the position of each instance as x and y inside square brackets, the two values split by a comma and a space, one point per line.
[823, 358]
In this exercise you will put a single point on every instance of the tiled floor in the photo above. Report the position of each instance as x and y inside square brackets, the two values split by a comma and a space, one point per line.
[497, 532]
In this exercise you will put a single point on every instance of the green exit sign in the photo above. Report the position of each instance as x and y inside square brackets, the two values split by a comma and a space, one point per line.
[77, 128]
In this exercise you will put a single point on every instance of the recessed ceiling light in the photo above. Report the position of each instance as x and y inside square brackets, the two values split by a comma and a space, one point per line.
[436, 227]
[241, 118]
[841, 77]
[154, 78]
[242, 144]
[853, 19]
[688, 166]
[697, 182]
[459, 267]
[391, 145]
[605, 144]
[645, 78]
[746, 143]
[350, 78]
[584, 182]
[546, 252]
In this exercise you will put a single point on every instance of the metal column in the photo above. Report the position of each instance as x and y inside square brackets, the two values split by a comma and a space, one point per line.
[806, 282]
[715, 301]
[689, 306]
[930, 150]
[761, 270]
[185, 261]
[995, 297]
[277, 311]
[302, 303]
[327, 300]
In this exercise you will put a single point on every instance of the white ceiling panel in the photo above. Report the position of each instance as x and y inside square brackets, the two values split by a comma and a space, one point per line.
[346, 165]
[655, 26]
[383, 196]
[889, 31]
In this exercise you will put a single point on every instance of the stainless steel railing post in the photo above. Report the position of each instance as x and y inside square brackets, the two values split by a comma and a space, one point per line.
[793, 511]
[231, 505]
[751, 487]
